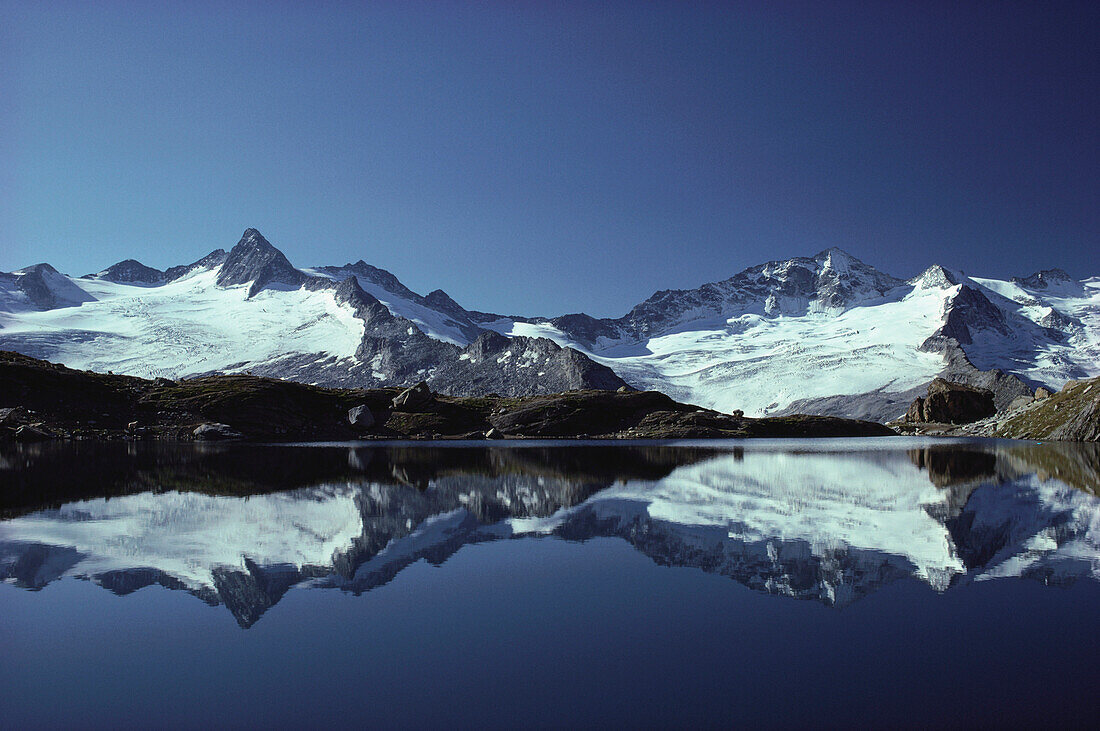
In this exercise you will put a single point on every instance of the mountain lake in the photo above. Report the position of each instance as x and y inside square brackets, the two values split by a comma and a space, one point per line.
[889, 582]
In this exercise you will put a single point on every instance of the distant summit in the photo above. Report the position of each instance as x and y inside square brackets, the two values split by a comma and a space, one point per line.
[39, 287]
[130, 271]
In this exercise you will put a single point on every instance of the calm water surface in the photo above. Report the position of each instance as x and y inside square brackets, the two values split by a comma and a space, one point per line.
[876, 583]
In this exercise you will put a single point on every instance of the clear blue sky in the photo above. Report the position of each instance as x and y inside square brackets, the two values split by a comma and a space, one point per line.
[545, 157]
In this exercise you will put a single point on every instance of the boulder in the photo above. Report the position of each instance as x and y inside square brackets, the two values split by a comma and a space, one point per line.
[738, 413]
[915, 414]
[132, 426]
[414, 398]
[956, 403]
[622, 389]
[361, 416]
[1041, 393]
[212, 431]
[493, 434]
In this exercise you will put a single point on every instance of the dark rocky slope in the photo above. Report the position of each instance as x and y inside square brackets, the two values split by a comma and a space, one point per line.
[46, 401]
[1071, 415]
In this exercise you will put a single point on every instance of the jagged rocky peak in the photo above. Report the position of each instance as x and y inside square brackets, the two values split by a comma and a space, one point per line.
[130, 271]
[211, 261]
[837, 259]
[372, 274]
[1044, 279]
[831, 280]
[842, 279]
[442, 301]
[255, 260]
[585, 328]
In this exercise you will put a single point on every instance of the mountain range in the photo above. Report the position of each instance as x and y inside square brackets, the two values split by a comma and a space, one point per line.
[827, 334]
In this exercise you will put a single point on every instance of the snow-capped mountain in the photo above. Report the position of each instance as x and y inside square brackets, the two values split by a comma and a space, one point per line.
[832, 335]
[824, 334]
[251, 310]
[836, 527]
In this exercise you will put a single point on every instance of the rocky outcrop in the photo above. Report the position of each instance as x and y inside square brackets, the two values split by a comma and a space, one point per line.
[399, 353]
[1072, 415]
[951, 403]
[211, 432]
[415, 398]
[381, 281]
[520, 366]
[1005, 387]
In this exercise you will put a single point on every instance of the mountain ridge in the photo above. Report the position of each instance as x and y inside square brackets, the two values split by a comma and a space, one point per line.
[827, 332]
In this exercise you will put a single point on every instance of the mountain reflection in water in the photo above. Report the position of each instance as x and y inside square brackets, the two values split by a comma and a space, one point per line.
[830, 521]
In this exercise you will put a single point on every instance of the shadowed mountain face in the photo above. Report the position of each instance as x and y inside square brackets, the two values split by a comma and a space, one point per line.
[255, 261]
[130, 271]
[239, 526]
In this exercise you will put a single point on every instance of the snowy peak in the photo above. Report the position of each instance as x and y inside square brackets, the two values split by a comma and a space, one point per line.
[837, 259]
[437, 315]
[40, 287]
[130, 271]
[843, 280]
[936, 277]
[833, 280]
[255, 260]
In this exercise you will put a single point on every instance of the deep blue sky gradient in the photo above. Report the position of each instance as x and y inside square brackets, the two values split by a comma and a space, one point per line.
[540, 158]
